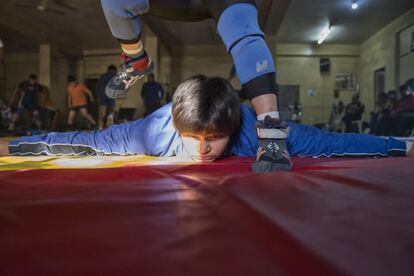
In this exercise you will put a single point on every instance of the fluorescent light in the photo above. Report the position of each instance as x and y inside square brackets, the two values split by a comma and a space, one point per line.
[324, 35]
[354, 6]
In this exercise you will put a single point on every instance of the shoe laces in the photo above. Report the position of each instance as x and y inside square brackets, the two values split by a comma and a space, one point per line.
[125, 72]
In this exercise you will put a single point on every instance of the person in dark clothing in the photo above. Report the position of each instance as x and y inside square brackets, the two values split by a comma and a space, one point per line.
[385, 125]
[382, 109]
[353, 112]
[403, 111]
[106, 104]
[152, 93]
[25, 97]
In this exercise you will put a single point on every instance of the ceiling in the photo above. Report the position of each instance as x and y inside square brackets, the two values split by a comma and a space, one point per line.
[82, 26]
[306, 19]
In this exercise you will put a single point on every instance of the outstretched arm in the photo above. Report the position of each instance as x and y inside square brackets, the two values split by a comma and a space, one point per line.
[153, 135]
[310, 141]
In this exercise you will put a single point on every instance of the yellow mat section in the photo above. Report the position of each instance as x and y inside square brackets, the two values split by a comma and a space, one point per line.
[85, 162]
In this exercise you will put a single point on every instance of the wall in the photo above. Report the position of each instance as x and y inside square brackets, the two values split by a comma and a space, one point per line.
[406, 54]
[18, 67]
[298, 64]
[208, 60]
[380, 51]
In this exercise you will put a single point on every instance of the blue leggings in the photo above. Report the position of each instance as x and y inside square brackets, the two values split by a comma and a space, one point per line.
[237, 25]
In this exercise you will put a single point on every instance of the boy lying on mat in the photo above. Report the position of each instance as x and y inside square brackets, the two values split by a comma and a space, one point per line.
[205, 122]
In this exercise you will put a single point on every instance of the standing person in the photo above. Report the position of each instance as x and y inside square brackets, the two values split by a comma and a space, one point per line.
[106, 104]
[25, 97]
[77, 101]
[152, 93]
[237, 24]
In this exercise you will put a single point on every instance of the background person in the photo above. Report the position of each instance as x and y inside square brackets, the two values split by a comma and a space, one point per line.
[152, 93]
[106, 104]
[26, 98]
[77, 101]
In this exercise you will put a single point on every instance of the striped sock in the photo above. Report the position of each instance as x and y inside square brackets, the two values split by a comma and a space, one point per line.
[133, 50]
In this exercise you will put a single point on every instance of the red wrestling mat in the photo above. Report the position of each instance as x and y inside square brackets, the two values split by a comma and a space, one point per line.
[328, 217]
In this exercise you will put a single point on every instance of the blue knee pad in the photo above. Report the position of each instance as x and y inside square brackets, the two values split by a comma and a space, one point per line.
[239, 29]
[122, 17]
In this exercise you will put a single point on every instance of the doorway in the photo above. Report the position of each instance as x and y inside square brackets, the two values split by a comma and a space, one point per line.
[93, 107]
[379, 82]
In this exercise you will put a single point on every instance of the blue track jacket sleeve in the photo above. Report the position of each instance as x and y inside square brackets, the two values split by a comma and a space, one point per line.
[306, 140]
[154, 135]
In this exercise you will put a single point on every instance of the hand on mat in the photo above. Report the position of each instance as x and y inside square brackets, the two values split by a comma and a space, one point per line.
[4, 147]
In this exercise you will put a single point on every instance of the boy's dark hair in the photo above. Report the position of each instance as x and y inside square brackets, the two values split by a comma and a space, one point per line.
[71, 78]
[33, 77]
[205, 105]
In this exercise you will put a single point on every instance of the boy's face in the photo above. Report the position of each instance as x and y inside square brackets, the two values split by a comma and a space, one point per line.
[204, 147]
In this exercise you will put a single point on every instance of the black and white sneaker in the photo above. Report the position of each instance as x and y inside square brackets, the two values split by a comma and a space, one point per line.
[132, 70]
[272, 154]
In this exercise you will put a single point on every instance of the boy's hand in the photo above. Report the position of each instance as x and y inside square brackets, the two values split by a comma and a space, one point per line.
[4, 147]
[272, 154]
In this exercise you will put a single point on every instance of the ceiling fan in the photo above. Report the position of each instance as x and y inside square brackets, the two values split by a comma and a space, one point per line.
[55, 6]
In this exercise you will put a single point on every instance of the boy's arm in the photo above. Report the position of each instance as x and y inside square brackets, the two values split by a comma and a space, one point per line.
[310, 141]
[153, 135]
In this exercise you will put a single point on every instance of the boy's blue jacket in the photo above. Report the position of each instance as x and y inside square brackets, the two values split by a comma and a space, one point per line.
[155, 135]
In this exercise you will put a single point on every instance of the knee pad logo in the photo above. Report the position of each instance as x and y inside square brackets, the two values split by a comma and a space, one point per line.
[261, 66]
